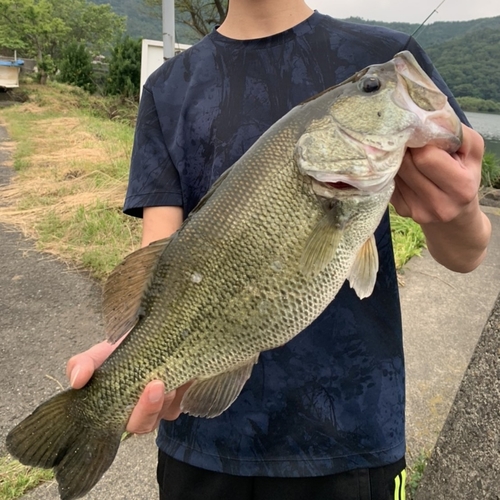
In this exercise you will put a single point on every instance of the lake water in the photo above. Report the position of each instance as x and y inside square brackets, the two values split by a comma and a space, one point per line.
[488, 125]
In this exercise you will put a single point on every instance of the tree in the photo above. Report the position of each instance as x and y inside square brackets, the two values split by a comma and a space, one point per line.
[200, 15]
[31, 26]
[96, 26]
[124, 76]
[76, 67]
[39, 28]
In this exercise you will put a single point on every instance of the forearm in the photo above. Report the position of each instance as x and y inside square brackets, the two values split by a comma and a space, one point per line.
[460, 244]
[159, 223]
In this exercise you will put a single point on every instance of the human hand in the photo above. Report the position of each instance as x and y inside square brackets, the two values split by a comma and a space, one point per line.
[153, 405]
[434, 186]
[440, 191]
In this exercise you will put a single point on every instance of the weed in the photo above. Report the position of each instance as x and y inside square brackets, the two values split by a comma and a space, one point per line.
[16, 479]
[408, 238]
[490, 172]
[415, 472]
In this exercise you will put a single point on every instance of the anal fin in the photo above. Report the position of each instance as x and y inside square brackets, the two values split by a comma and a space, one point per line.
[211, 396]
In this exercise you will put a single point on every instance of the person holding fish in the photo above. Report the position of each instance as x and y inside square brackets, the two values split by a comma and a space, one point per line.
[322, 415]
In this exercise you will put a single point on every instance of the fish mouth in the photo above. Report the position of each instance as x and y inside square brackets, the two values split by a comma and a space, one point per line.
[341, 186]
[361, 186]
[440, 125]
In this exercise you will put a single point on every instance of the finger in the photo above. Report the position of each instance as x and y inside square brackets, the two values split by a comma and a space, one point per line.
[172, 407]
[398, 198]
[472, 144]
[428, 169]
[80, 368]
[146, 414]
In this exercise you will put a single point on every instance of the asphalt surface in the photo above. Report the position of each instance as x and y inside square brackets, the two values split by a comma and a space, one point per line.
[50, 312]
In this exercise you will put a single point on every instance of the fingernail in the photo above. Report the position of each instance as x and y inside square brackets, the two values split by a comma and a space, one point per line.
[74, 374]
[155, 393]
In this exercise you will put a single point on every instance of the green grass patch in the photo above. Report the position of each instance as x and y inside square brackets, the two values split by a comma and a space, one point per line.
[17, 479]
[415, 472]
[408, 238]
[96, 237]
[490, 172]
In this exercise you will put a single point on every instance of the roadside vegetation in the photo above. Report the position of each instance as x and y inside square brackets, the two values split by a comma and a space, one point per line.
[415, 471]
[71, 159]
[16, 479]
[490, 174]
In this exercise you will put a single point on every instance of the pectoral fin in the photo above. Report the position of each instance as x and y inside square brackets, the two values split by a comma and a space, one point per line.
[321, 246]
[125, 288]
[211, 396]
[363, 273]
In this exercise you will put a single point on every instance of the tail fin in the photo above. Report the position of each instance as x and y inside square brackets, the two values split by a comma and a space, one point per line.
[54, 437]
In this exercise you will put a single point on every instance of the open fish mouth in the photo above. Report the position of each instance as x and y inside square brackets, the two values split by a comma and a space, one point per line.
[341, 186]
[362, 185]
[421, 96]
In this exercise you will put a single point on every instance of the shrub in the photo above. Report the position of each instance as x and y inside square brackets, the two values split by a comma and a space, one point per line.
[124, 76]
[76, 67]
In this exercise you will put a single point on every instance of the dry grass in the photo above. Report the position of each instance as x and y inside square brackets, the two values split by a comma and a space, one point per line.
[72, 171]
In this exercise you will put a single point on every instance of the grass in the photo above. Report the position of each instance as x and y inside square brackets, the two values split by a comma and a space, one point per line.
[490, 173]
[16, 479]
[408, 238]
[72, 163]
[415, 472]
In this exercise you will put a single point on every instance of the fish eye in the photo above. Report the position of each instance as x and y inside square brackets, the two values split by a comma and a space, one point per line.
[370, 84]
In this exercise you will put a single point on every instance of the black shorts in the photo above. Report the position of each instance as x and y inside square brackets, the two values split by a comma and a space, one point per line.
[181, 481]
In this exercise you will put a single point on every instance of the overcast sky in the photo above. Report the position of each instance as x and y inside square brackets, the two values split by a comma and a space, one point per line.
[412, 11]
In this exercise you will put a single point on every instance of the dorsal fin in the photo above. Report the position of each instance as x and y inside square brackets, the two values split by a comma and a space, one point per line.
[125, 288]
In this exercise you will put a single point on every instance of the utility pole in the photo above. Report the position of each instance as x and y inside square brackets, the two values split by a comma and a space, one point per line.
[168, 22]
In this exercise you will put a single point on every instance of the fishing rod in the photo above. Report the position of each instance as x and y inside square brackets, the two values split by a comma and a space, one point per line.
[426, 19]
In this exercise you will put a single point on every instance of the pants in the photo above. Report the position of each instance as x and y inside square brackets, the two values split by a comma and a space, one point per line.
[181, 481]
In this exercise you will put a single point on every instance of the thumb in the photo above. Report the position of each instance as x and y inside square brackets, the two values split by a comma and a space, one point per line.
[146, 414]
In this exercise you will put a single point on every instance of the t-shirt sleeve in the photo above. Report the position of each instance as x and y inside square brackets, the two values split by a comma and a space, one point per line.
[153, 179]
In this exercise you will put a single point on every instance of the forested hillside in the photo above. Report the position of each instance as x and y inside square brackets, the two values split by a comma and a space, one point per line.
[471, 64]
[142, 22]
[438, 32]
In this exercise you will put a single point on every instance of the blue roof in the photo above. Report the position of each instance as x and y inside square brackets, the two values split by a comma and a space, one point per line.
[18, 62]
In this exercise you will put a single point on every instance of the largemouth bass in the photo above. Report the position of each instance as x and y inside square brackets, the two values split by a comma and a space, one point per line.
[260, 257]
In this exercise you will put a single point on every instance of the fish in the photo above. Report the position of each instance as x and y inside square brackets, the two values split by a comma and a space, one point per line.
[258, 259]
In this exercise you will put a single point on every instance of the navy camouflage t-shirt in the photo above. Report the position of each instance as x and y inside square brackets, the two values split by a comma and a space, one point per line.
[331, 399]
